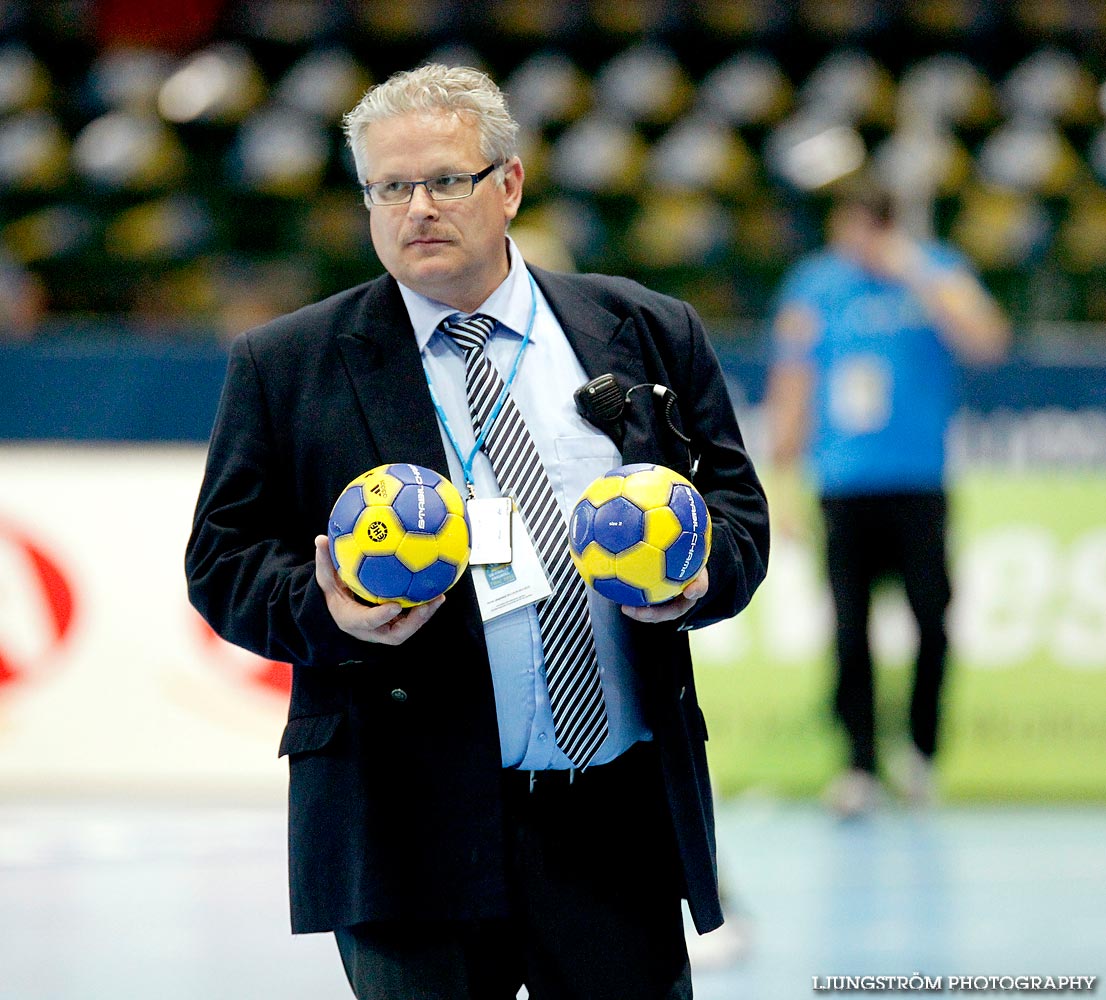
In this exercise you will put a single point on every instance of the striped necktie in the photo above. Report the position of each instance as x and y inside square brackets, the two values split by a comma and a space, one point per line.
[571, 666]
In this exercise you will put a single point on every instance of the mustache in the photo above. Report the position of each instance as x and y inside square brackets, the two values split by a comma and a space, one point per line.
[426, 233]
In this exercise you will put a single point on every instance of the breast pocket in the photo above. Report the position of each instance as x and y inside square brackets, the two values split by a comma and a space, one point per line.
[579, 461]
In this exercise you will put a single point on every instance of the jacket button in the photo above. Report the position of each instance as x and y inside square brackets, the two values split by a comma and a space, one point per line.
[399, 695]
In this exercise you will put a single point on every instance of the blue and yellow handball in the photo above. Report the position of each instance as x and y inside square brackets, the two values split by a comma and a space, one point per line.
[640, 534]
[399, 533]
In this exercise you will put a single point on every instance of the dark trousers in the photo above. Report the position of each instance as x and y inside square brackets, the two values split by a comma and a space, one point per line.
[596, 911]
[868, 537]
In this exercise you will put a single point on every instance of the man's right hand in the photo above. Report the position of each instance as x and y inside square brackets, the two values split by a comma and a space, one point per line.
[387, 623]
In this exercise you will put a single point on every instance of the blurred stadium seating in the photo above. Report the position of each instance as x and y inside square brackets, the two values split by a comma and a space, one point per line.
[179, 167]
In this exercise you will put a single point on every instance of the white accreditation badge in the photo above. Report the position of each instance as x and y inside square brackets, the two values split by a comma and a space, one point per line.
[489, 530]
[506, 586]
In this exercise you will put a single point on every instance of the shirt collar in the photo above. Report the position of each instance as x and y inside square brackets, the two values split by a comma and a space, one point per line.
[509, 304]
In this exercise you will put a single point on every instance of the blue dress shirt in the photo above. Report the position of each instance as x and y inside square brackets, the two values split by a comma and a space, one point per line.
[573, 453]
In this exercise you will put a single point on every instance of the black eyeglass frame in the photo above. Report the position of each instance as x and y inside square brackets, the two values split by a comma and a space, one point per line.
[475, 178]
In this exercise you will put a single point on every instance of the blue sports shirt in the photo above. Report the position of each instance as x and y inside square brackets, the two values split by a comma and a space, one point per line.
[884, 380]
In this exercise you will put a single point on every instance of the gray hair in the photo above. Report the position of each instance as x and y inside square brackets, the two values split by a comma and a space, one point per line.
[434, 87]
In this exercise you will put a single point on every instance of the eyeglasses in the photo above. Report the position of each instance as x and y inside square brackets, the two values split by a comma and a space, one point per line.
[448, 187]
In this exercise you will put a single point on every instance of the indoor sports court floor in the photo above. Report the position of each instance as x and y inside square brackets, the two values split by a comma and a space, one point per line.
[143, 901]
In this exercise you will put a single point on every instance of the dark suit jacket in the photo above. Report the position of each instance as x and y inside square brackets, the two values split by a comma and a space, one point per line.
[394, 803]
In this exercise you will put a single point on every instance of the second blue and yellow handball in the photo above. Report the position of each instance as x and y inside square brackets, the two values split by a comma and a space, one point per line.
[640, 534]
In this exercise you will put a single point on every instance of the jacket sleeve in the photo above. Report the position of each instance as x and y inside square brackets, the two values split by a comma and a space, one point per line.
[249, 561]
[726, 478]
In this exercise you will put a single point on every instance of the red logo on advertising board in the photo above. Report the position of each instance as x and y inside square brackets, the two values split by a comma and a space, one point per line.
[257, 672]
[36, 606]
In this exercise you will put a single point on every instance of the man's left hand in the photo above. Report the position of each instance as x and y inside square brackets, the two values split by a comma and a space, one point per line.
[681, 604]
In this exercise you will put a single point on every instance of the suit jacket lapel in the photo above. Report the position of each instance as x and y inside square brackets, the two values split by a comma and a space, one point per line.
[385, 371]
[591, 330]
[605, 342]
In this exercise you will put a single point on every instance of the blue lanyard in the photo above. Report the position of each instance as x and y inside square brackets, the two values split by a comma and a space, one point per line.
[466, 463]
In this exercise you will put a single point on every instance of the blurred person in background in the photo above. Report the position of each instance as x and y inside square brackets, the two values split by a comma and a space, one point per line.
[866, 340]
[22, 301]
[457, 837]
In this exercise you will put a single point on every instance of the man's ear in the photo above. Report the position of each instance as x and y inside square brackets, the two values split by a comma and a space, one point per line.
[513, 176]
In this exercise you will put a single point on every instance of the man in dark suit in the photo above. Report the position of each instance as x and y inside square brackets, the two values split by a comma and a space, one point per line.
[462, 824]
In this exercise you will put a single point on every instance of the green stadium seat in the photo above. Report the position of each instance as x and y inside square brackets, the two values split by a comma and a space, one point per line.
[325, 83]
[220, 84]
[129, 79]
[1032, 155]
[1051, 85]
[749, 88]
[34, 152]
[25, 82]
[280, 151]
[125, 150]
[600, 155]
[947, 89]
[546, 89]
[702, 154]
[644, 83]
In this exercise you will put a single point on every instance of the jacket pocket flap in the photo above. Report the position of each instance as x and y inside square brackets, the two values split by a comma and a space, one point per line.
[310, 732]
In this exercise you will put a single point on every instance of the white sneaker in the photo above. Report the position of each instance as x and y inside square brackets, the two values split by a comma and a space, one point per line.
[913, 777]
[853, 793]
